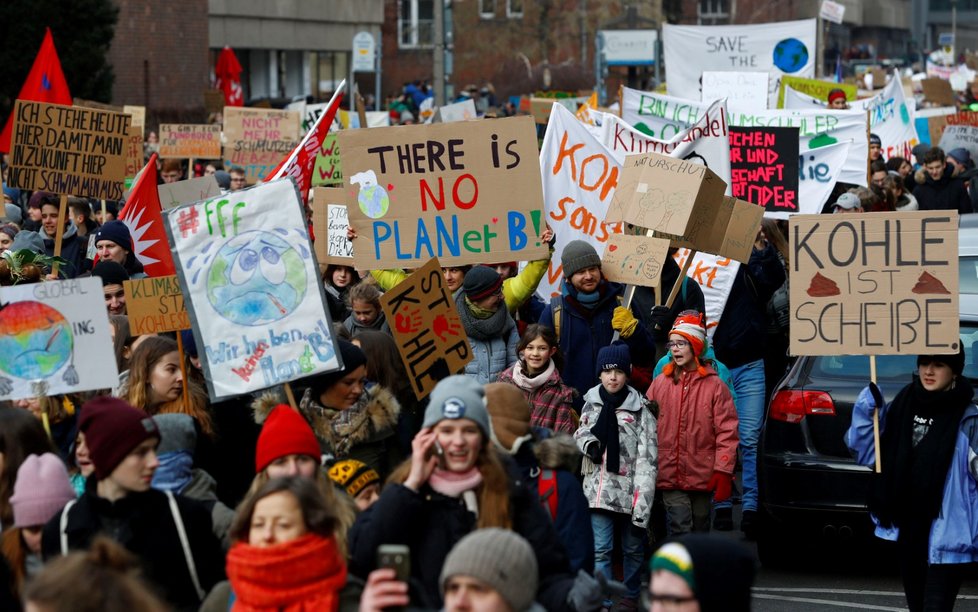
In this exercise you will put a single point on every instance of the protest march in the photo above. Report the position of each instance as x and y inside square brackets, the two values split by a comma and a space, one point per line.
[469, 353]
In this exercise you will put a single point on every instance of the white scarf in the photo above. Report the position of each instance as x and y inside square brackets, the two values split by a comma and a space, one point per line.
[531, 384]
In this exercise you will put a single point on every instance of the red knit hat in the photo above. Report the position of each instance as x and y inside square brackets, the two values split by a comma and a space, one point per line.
[112, 429]
[691, 325]
[285, 432]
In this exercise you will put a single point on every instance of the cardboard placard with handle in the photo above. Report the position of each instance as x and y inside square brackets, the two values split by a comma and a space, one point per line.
[184, 141]
[939, 92]
[155, 305]
[329, 219]
[634, 260]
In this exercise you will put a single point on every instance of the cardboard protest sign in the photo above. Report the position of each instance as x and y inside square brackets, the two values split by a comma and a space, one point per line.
[936, 124]
[466, 193]
[191, 190]
[764, 167]
[182, 140]
[54, 339]
[102, 106]
[68, 151]
[213, 100]
[258, 138]
[963, 136]
[727, 230]
[328, 169]
[815, 88]
[426, 326]
[939, 92]
[251, 284]
[634, 260]
[741, 89]
[874, 284]
[138, 114]
[329, 219]
[134, 151]
[780, 48]
[155, 305]
[459, 111]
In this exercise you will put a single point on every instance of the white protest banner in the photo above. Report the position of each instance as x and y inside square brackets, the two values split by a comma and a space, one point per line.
[190, 190]
[55, 338]
[799, 100]
[892, 119]
[715, 276]
[746, 90]
[786, 47]
[818, 171]
[460, 111]
[251, 284]
[831, 11]
[658, 115]
[960, 136]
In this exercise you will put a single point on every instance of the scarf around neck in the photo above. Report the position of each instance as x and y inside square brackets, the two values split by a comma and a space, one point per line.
[453, 484]
[483, 329]
[301, 575]
[531, 383]
[606, 427]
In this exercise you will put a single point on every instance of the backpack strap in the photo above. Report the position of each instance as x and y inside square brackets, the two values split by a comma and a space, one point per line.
[188, 556]
[556, 305]
[64, 526]
[547, 490]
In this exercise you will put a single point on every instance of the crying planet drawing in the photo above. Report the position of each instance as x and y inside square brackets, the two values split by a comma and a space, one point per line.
[256, 278]
[35, 340]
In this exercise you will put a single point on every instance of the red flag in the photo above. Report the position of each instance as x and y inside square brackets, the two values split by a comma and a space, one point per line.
[300, 162]
[141, 214]
[45, 83]
[228, 75]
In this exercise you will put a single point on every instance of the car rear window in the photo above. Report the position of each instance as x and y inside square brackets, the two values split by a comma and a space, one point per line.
[968, 275]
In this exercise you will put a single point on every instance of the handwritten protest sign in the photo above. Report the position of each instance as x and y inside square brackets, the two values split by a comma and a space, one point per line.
[134, 152]
[190, 140]
[191, 190]
[960, 136]
[328, 169]
[764, 167]
[68, 151]
[935, 125]
[465, 192]
[939, 92]
[459, 111]
[251, 283]
[155, 305]
[715, 275]
[727, 230]
[815, 88]
[258, 138]
[879, 284]
[54, 339]
[426, 326]
[213, 100]
[634, 260]
[746, 90]
[330, 221]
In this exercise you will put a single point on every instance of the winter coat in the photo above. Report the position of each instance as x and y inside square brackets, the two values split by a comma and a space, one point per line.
[233, 462]
[583, 332]
[221, 597]
[143, 524]
[709, 358]
[739, 336]
[336, 302]
[907, 203]
[430, 524]
[364, 432]
[203, 488]
[948, 193]
[491, 357]
[632, 489]
[697, 429]
[690, 297]
[551, 404]
[73, 250]
[954, 533]
[354, 327]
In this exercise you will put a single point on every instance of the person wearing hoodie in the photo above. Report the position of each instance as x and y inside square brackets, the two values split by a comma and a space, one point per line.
[113, 242]
[489, 326]
[701, 572]
[73, 248]
[937, 187]
[363, 300]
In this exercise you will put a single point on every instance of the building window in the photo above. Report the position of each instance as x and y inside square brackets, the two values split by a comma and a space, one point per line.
[487, 9]
[713, 12]
[514, 8]
[416, 23]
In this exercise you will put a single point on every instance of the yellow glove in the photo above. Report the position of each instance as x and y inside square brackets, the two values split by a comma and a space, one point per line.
[624, 321]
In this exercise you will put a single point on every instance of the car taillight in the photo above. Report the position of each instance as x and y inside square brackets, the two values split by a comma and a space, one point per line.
[792, 405]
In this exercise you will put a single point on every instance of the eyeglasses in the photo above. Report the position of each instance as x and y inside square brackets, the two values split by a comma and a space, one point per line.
[680, 344]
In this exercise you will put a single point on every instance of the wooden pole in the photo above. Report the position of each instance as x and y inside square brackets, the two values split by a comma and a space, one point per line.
[679, 280]
[876, 414]
[361, 111]
[183, 373]
[103, 211]
[290, 396]
[190, 169]
[62, 213]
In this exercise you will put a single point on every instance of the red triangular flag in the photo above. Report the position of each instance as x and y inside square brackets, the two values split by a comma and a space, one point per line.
[300, 162]
[227, 73]
[141, 214]
[45, 83]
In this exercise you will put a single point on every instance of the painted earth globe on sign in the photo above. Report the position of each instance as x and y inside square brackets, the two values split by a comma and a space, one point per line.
[790, 55]
[372, 198]
[35, 340]
[256, 278]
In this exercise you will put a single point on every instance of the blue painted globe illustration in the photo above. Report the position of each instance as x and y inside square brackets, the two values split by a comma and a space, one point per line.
[790, 55]
[256, 278]
[35, 340]
[374, 201]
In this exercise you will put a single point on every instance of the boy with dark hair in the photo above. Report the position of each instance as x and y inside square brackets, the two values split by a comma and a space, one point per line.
[937, 188]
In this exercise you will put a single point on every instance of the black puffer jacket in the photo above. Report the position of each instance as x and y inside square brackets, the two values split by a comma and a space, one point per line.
[430, 524]
[948, 193]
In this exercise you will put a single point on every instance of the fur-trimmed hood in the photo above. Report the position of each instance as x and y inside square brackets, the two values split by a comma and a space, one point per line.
[558, 452]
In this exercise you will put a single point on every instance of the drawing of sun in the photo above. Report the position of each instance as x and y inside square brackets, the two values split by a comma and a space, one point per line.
[256, 278]
[35, 340]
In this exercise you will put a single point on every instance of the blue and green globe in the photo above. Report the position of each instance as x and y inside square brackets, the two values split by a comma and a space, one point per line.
[374, 201]
[790, 55]
[35, 340]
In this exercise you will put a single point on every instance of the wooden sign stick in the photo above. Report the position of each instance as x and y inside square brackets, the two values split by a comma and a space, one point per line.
[361, 111]
[190, 169]
[183, 373]
[679, 280]
[62, 213]
[291, 397]
[876, 414]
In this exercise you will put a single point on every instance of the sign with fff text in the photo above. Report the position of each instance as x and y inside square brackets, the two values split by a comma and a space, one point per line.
[466, 193]
[258, 138]
[184, 141]
[252, 287]
[426, 327]
[330, 222]
[54, 339]
[764, 167]
[155, 305]
[874, 284]
[68, 150]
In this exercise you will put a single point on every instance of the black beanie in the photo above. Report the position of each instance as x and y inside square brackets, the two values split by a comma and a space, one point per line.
[352, 357]
[955, 361]
[481, 282]
[722, 570]
[110, 272]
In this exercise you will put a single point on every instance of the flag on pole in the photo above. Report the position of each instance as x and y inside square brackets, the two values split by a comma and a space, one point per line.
[45, 83]
[300, 162]
[228, 76]
[141, 214]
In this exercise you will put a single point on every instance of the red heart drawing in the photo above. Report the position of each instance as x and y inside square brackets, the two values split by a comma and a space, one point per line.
[612, 247]
[495, 219]
[390, 187]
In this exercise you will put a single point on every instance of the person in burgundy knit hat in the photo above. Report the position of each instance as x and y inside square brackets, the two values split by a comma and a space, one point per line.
[171, 535]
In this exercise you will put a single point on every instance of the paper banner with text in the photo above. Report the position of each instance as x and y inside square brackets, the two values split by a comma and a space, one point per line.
[786, 47]
[252, 287]
[68, 150]
[715, 275]
[963, 136]
[184, 141]
[257, 139]
[934, 126]
[466, 193]
[54, 339]
[155, 305]
[874, 284]
[764, 167]
[426, 327]
[328, 169]
[460, 111]
[134, 154]
[818, 171]
[190, 190]
[814, 88]
[743, 90]
[330, 221]
[634, 260]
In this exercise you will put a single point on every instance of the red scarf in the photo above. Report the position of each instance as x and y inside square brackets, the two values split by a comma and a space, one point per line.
[301, 575]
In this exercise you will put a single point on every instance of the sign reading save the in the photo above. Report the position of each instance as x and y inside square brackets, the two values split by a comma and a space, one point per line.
[874, 284]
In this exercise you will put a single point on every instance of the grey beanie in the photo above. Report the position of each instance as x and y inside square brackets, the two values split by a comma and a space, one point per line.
[177, 433]
[578, 255]
[500, 558]
[458, 397]
[31, 241]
